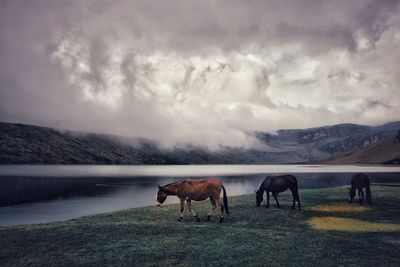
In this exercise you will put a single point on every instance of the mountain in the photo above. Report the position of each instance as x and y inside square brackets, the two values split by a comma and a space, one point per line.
[386, 151]
[28, 144]
[316, 144]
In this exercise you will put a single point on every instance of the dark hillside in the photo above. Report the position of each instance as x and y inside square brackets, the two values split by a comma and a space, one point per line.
[28, 144]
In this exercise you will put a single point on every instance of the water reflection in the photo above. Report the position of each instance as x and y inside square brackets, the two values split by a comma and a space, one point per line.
[26, 200]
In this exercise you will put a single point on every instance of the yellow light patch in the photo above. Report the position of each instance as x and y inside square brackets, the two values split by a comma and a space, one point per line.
[341, 207]
[351, 225]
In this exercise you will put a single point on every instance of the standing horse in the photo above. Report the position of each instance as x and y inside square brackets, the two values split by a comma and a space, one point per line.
[360, 181]
[278, 184]
[189, 190]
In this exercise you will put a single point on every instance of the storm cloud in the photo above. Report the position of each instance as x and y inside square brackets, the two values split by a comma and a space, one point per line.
[207, 73]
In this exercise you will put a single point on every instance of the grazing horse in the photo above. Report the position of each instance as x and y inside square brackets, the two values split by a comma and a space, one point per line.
[196, 190]
[360, 181]
[278, 184]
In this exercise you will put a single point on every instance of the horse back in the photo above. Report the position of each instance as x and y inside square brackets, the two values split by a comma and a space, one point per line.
[200, 189]
[280, 183]
[207, 183]
[359, 180]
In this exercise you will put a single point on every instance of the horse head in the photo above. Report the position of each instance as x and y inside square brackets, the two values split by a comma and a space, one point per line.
[161, 195]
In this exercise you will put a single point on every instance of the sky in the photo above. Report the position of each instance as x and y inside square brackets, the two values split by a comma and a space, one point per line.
[207, 73]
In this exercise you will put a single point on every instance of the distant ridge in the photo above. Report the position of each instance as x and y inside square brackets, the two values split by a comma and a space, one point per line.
[386, 151]
[29, 144]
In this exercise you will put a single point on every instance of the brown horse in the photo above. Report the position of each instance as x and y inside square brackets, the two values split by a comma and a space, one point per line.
[360, 181]
[196, 190]
[277, 184]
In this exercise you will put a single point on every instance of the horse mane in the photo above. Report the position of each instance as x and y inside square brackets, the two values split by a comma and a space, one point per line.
[163, 188]
[173, 183]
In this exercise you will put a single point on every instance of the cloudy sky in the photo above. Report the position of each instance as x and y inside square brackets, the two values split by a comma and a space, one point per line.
[202, 72]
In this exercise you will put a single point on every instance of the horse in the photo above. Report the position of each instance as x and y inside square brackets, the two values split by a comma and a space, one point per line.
[278, 184]
[360, 181]
[196, 190]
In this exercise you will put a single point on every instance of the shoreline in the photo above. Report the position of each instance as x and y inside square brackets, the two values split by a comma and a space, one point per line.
[328, 231]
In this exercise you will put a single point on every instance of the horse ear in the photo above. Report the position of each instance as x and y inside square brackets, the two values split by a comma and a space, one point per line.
[159, 186]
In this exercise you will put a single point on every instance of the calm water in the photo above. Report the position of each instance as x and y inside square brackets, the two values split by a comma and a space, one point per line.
[39, 194]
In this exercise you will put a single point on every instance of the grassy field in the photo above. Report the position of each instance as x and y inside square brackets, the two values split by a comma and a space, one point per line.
[328, 232]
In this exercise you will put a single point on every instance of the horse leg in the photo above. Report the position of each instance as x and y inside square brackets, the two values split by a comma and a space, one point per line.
[213, 207]
[368, 195]
[298, 200]
[182, 209]
[219, 203]
[276, 199]
[189, 204]
[362, 196]
[267, 200]
[293, 196]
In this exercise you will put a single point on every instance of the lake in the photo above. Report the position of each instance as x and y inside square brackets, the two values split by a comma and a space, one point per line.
[48, 193]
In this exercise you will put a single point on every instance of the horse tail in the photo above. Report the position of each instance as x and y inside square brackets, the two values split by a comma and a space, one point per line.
[225, 200]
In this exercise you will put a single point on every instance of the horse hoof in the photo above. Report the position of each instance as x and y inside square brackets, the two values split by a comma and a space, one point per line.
[208, 218]
[197, 219]
[221, 220]
[180, 219]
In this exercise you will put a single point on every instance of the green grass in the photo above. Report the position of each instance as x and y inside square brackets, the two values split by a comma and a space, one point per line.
[326, 233]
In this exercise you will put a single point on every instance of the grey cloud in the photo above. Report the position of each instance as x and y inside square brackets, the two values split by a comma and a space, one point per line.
[198, 71]
[128, 69]
[373, 103]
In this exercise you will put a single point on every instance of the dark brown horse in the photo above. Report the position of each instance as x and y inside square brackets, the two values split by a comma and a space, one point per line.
[196, 190]
[278, 184]
[360, 181]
